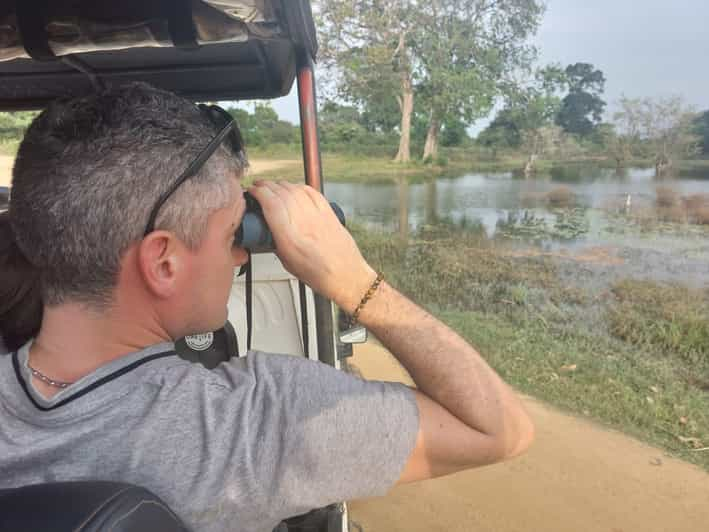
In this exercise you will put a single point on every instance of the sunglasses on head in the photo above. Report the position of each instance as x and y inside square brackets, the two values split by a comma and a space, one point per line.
[228, 130]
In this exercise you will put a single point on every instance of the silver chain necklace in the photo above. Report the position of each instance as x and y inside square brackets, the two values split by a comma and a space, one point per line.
[47, 380]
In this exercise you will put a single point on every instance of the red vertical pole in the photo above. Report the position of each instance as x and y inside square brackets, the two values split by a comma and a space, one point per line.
[324, 317]
[309, 121]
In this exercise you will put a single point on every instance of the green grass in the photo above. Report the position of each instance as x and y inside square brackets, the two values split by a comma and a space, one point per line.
[671, 318]
[603, 356]
[9, 147]
[613, 382]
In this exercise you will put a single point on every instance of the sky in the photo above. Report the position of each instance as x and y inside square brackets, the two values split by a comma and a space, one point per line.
[644, 47]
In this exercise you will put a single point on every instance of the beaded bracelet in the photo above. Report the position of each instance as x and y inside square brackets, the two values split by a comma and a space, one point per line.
[367, 297]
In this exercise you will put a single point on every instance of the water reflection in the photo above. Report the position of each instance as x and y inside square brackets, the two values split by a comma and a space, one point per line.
[664, 224]
[431, 202]
[403, 208]
[492, 200]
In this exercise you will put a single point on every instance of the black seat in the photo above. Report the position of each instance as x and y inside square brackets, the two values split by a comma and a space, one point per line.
[85, 507]
[4, 197]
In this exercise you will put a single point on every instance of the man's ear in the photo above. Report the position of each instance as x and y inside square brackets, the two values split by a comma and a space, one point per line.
[160, 262]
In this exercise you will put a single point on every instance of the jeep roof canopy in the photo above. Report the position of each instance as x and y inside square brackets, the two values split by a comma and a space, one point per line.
[202, 49]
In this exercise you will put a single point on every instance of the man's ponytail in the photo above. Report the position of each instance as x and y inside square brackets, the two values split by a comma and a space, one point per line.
[20, 295]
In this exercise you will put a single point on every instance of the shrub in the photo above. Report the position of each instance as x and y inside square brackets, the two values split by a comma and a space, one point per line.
[666, 197]
[561, 197]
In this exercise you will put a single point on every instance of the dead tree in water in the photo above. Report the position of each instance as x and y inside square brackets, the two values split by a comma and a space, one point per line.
[529, 165]
[663, 125]
[663, 165]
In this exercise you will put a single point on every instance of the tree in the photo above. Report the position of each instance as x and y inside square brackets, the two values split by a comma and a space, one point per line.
[340, 125]
[606, 138]
[466, 51]
[545, 140]
[665, 125]
[368, 42]
[582, 108]
[505, 131]
[263, 127]
[530, 107]
[454, 133]
[13, 125]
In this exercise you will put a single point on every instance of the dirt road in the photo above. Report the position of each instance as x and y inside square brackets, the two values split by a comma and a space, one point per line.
[5, 170]
[257, 166]
[578, 477]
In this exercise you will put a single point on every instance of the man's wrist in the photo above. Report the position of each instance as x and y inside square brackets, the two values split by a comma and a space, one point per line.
[354, 291]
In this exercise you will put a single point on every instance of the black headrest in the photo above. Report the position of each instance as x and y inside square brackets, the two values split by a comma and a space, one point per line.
[210, 349]
[85, 507]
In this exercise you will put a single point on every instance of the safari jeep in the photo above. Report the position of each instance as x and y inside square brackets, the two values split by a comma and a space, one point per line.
[205, 50]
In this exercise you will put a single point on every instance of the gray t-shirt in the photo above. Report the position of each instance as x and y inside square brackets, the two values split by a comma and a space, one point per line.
[237, 448]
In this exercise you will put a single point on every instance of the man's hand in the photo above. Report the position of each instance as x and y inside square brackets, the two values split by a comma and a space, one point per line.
[311, 242]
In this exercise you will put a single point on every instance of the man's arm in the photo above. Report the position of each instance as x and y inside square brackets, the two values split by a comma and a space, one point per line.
[468, 415]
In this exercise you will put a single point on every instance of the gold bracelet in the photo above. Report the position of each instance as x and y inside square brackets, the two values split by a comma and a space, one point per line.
[367, 297]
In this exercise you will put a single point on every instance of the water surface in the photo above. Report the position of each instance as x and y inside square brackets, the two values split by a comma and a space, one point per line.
[644, 226]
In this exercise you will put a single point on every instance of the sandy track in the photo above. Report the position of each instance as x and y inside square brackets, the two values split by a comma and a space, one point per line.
[257, 167]
[5, 170]
[578, 477]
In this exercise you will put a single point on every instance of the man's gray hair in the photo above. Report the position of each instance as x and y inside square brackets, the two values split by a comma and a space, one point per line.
[88, 173]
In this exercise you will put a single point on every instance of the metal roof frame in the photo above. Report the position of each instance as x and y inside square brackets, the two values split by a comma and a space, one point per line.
[259, 68]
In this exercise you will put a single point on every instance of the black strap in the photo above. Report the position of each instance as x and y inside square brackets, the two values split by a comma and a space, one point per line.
[91, 387]
[180, 24]
[236, 344]
[249, 302]
[304, 318]
[33, 29]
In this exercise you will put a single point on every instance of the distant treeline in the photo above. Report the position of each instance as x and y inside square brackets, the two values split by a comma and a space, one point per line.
[343, 129]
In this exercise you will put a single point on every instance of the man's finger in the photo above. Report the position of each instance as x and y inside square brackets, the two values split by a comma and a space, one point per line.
[263, 193]
[275, 208]
[318, 199]
[297, 195]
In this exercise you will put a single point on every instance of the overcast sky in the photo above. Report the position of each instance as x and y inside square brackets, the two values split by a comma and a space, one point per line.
[644, 47]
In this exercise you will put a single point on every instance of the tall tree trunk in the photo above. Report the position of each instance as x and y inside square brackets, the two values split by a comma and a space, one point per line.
[407, 110]
[431, 147]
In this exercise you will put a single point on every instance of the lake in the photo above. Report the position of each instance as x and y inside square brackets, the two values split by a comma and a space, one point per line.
[624, 224]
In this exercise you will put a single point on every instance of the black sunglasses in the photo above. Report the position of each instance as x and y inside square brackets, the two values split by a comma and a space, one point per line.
[228, 129]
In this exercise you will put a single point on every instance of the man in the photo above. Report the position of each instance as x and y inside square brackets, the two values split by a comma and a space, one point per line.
[130, 258]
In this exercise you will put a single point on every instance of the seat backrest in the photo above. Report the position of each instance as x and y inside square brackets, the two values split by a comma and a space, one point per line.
[85, 507]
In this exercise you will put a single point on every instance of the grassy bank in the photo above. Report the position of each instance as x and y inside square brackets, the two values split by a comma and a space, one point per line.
[635, 357]
[343, 167]
[348, 168]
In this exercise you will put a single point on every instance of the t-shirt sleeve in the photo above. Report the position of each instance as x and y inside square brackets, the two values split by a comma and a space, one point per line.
[319, 435]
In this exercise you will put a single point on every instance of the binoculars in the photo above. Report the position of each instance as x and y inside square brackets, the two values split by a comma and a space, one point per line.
[254, 234]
